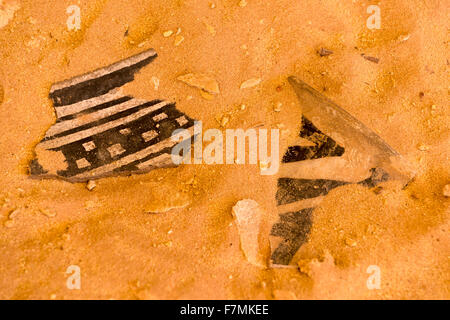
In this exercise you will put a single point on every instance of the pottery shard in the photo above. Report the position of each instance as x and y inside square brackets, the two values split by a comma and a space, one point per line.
[201, 81]
[249, 219]
[101, 132]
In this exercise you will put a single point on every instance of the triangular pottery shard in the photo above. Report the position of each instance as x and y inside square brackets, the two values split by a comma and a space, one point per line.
[334, 149]
[101, 132]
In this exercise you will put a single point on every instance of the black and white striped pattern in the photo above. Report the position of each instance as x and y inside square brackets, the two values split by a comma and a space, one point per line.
[297, 196]
[102, 132]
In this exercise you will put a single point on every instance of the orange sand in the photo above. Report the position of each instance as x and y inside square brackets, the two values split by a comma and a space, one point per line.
[126, 253]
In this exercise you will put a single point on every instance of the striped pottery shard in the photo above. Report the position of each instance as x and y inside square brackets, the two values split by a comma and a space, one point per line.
[101, 132]
[334, 149]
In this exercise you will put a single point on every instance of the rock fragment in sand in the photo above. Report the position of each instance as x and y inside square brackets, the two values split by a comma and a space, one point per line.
[167, 33]
[156, 83]
[351, 242]
[9, 223]
[423, 147]
[178, 40]
[250, 83]
[242, 3]
[249, 219]
[446, 191]
[371, 59]
[277, 107]
[201, 81]
[210, 28]
[91, 185]
[404, 37]
[224, 121]
[324, 52]
[166, 202]
[7, 10]
[13, 214]
[47, 213]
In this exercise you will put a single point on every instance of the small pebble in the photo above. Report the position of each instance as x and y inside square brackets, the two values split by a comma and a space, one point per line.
[47, 213]
[167, 33]
[325, 52]
[178, 40]
[91, 185]
[210, 28]
[250, 83]
[446, 191]
[201, 81]
[403, 38]
[277, 107]
[168, 244]
[155, 81]
[224, 121]
[371, 59]
[350, 242]
[13, 214]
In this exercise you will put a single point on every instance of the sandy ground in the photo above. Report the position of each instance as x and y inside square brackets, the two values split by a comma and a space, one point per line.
[193, 253]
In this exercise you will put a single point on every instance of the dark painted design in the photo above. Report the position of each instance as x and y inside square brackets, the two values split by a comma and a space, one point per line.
[131, 143]
[95, 108]
[113, 117]
[98, 86]
[378, 176]
[292, 190]
[36, 168]
[293, 228]
[324, 145]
